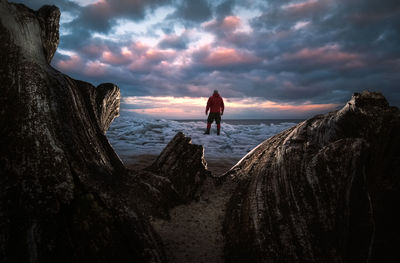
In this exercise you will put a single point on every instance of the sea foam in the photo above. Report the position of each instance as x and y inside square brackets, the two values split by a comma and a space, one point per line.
[132, 136]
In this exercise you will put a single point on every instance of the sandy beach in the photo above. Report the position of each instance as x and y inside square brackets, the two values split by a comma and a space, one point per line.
[194, 231]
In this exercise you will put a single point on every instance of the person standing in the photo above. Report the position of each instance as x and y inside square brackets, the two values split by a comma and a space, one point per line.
[216, 106]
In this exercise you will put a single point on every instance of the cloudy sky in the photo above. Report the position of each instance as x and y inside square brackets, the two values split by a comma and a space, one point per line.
[268, 58]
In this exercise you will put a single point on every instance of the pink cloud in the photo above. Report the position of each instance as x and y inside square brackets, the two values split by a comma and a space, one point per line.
[210, 24]
[153, 59]
[306, 7]
[228, 24]
[74, 63]
[231, 23]
[159, 55]
[95, 68]
[138, 47]
[230, 31]
[176, 41]
[330, 54]
[121, 58]
[228, 56]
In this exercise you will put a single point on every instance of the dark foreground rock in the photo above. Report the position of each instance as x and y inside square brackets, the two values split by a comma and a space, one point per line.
[65, 196]
[326, 190]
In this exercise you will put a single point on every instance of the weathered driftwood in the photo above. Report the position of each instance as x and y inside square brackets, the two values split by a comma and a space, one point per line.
[184, 165]
[65, 195]
[325, 190]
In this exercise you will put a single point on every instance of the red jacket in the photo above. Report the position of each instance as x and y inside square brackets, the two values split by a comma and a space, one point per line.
[215, 104]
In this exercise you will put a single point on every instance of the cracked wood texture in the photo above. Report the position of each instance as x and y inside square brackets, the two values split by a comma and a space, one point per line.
[326, 190]
[65, 195]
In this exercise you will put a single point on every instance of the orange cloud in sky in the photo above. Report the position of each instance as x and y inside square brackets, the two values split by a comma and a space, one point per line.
[231, 22]
[227, 56]
[307, 8]
[117, 59]
[147, 59]
[159, 54]
[73, 63]
[327, 55]
[139, 46]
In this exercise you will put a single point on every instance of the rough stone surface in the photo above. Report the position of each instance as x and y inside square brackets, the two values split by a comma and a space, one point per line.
[65, 196]
[184, 165]
[326, 190]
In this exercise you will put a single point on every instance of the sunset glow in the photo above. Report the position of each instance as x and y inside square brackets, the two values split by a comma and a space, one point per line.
[193, 108]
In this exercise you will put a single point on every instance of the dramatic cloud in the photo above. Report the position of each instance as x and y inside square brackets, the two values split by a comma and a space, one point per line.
[290, 57]
[196, 11]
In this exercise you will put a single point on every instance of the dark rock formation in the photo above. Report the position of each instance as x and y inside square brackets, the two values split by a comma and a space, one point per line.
[326, 190]
[184, 165]
[65, 196]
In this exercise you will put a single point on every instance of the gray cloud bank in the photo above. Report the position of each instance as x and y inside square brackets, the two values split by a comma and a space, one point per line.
[314, 51]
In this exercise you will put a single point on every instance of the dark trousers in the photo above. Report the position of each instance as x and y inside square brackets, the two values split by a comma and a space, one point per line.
[214, 116]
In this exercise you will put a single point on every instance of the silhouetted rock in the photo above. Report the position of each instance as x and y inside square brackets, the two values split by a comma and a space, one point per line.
[65, 196]
[326, 190]
[184, 165]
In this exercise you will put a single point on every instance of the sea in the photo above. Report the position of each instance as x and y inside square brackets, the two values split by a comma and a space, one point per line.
[133, 136]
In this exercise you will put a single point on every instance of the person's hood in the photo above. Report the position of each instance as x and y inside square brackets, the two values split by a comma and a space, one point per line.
[216, 95]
